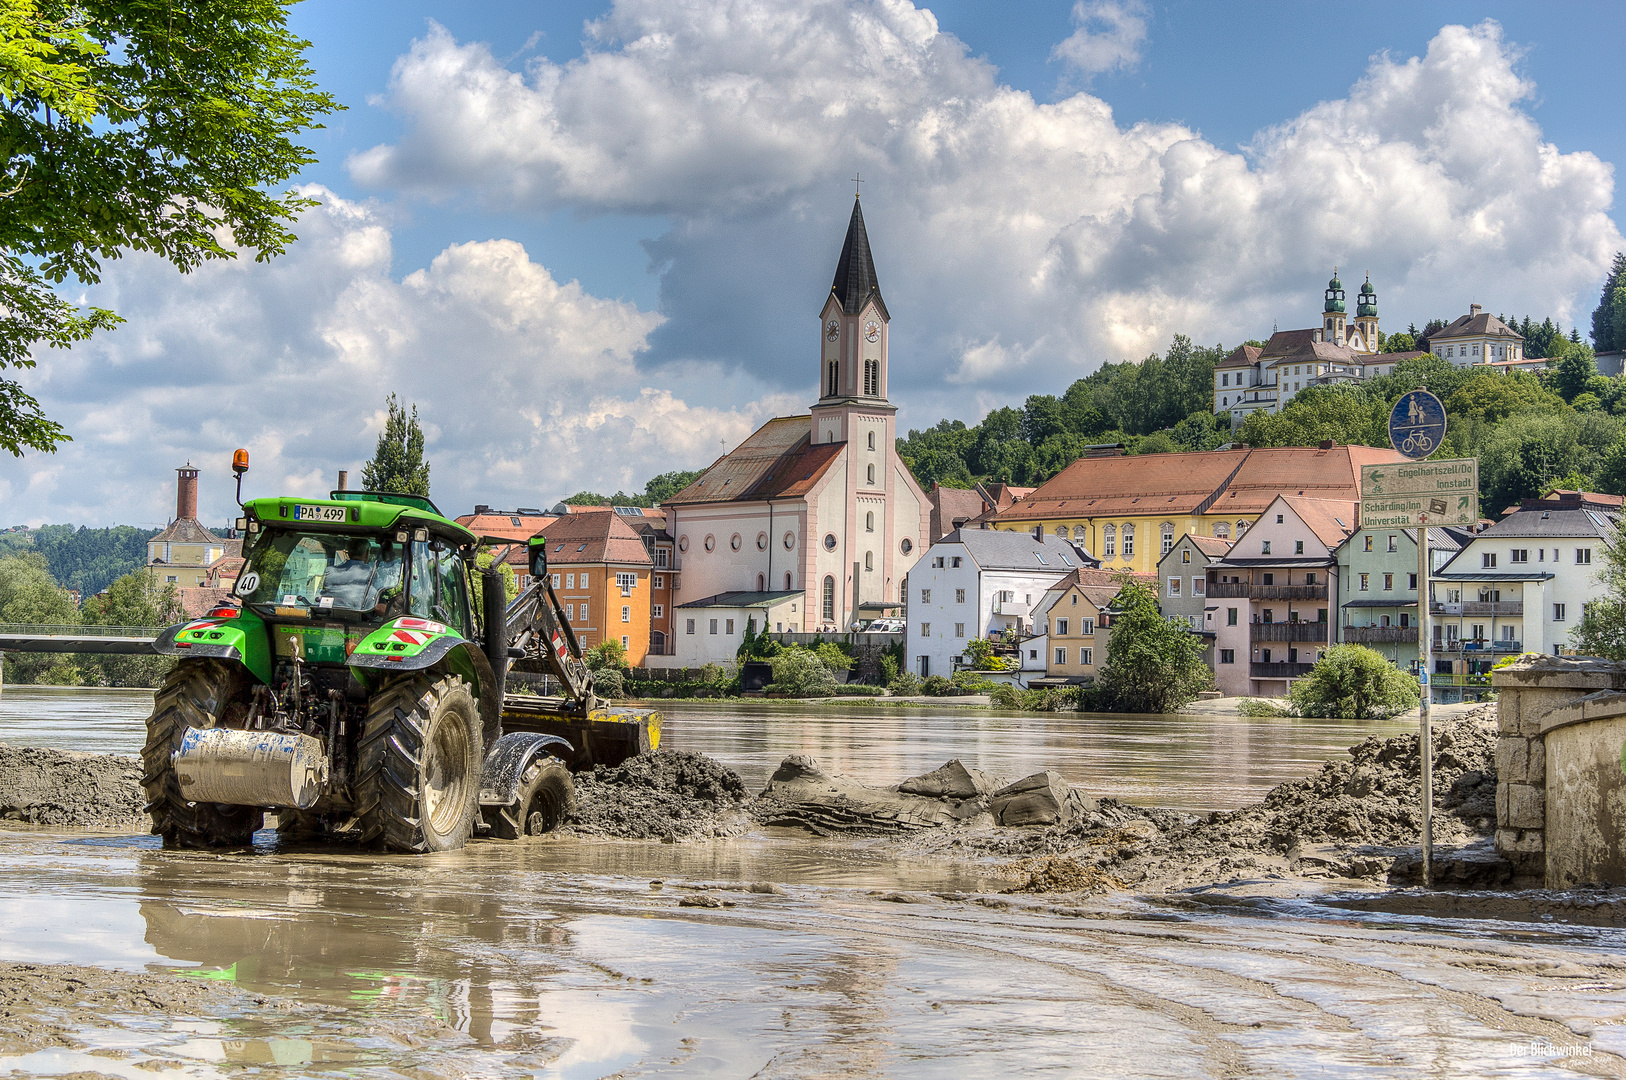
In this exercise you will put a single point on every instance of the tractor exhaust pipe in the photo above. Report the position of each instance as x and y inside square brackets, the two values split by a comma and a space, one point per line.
[494, 602]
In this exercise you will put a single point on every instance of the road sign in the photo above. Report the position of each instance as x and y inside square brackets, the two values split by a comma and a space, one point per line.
[1414, 493]
[1417, 424]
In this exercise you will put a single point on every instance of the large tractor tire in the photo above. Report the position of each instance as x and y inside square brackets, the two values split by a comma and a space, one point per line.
[547, 797]
[195, 694]
[418, 766]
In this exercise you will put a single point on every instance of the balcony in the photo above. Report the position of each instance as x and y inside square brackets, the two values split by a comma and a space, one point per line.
[1464, 645]
[1017, 608]
[1223, 589]
[1278, 671]
[1288, 631]
[1380, 635]
[1492, 608]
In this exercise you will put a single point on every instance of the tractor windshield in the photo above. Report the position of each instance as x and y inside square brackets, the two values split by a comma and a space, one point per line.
[326, 570]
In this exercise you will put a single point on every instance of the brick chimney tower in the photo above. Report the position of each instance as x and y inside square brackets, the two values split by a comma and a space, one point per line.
[186, 493]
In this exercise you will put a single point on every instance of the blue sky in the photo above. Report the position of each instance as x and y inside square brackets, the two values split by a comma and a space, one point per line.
[590, 241]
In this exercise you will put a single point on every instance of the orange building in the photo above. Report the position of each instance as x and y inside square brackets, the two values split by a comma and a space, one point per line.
[602, 575]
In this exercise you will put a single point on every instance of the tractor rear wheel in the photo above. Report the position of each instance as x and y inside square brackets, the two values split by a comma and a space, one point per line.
[195, 694]
[418, 765]
[547, 797]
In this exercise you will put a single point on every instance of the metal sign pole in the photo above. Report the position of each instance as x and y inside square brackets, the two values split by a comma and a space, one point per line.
[1425, 736]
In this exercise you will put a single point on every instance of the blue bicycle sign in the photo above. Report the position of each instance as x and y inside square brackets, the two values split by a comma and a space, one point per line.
[1417, 424]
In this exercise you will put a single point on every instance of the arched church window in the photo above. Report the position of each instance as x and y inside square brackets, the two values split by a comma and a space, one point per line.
[1109, 541]
[870, 471]
[1129, 541]
[869, 560]
[829, 611]
[872, 378]
[869, 521]
[872, 440]
[787, 581]
[762, 583]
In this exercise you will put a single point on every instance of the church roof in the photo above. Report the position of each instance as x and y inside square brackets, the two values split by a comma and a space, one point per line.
[778, 460]
[185, 531]
[855, 279]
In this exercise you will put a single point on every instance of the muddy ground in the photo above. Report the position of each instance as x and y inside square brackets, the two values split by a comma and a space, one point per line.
[61, 787]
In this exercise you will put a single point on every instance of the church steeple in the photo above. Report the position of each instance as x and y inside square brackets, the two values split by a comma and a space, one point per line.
[855, 280]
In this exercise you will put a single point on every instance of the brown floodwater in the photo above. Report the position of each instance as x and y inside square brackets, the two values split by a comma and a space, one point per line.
[576, 958]
[1203, 760]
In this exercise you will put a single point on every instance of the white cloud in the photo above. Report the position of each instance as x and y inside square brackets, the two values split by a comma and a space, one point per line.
[1051, 229]
[526, 386]
[1109, 36]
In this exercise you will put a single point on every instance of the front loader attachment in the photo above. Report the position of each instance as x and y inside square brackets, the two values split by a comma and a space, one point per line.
[603, 736]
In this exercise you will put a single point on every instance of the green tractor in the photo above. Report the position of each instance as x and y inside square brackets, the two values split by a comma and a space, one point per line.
[356, 688]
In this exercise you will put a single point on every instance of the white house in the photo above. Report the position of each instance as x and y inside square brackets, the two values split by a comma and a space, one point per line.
[977, 583]
[1521, 585]
[1478, 338]
[818, 505]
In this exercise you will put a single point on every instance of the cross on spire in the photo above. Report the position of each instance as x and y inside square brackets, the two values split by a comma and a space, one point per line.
[857, 179]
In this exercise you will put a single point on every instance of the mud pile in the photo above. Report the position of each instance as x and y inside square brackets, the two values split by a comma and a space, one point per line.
[667, 795]
[60, 787]
[1348, 820]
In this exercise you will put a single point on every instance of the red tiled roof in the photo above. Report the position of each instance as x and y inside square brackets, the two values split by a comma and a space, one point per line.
[1332, 520]
[503, 524]
[1244, 356]
[595, 537]
[185, 531]
[196, 601]
[1210, 545]
[778, 460]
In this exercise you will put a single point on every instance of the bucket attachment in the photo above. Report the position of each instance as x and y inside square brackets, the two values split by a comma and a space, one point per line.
[250, 768]
[602, 737]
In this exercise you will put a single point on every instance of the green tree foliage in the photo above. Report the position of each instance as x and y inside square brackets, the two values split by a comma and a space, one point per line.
[1522, 452]
[656, 492]
[91, 559]
[1574, 371]
[1346, 414]
[1356, 683]
[1491, 396]
[608, 655]
[1602, 631]
[398, 463]
[134, 126]
[1609, 317]
[477, 582]
[800, 672]
[28, 595]
[1394, 343]
[133, 600]
[1153, 665]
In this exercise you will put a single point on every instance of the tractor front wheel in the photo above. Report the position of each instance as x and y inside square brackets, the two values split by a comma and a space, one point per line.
[547, 797]
[195, 694]
[418, 765]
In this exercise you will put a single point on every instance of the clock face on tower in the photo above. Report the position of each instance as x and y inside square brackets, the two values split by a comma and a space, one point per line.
[832, 330]
[872, 330]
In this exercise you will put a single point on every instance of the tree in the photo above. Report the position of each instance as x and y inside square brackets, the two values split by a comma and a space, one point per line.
[1489, 396]
[510, 584]
[133, 600]
[1609, 317]
[28, 595]
[1153, 665]
[1525, 451]
[799, 672]
[1602, 631]
[1352, 415]
[398, 463]
[666, 485]
[608, 655]
[1354, 682]
[136, 127]
[1398, 343]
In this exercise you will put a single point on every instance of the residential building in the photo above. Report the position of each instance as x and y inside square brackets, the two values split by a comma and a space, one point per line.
[1519, 586]
[184, 552]
[1377, 587]
[602, 575]
[1073, 620]
[650, 525]
[954, 508]
[1477, 338]
[1267, 377]
[819, 504]
[1182, 581]
[1273, 595]
[709, 630]
[984, 583]
[1130, 511]
[517, 526]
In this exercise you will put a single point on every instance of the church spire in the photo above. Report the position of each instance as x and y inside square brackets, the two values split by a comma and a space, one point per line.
[855, 278]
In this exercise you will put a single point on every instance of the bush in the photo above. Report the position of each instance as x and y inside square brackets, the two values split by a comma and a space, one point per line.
[1042, 699]
[936, 686]
[607, 655]
[904, 684]
[834, 658]
[609, 683]
[1357, 683]
[801, 673]
[1250, 706]
[1153, 665]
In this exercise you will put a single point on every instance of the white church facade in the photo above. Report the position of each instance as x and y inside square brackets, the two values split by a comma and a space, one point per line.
[813, 521]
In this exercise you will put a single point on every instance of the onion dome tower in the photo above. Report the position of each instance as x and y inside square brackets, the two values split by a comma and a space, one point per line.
[1332, 322]
[1366, 315]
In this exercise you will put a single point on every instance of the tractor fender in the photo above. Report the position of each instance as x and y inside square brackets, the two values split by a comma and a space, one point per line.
[241, 638]
[416, 644]
[507, 761]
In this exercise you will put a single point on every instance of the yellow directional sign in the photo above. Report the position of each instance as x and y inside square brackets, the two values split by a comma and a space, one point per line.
[1417, 493]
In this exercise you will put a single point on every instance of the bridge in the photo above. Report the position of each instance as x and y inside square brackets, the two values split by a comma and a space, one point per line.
[22, 637]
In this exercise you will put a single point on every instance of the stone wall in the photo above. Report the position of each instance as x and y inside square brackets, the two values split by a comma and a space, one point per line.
[1537, 694]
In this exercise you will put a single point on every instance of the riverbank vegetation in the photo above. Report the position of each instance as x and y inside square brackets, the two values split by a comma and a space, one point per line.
[30, 596]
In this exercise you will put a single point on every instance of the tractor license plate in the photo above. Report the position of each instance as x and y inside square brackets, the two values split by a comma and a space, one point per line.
[319, 513]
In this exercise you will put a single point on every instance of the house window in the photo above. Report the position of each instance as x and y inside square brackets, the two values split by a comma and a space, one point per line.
[1520, 555]
[1298, 547]
[1388, 582]
[1411, 582]
[1086, 627]
[1174, 587]
[1168, 538]
[1109, 542]
[1225, 380]
[555, 581]
[1185, 558]
[570, 581]
[570, 612]
[1199, 587]
[829, 607]
[663, 558]
[1365, 582]
[1264, 547]
[959, 596]
[1392, 542]
[1558, 613]
[1086, 656]
[925, 596]
[1487, 560]
[1061, 656]
[954, 562]
[660, 581]
[925, 629]
[1230, 616]
[626, 583]
[1061, 627]
[937, 563]
[1227, 656]
[626, 613]
[584, 611]
[959, 629]
[713, 625]
[1129, 541]
[1222, 531]
[172, 579]
[1583, 556]
[626, 642]
[688, 626]
[728, 626]
[658, 610]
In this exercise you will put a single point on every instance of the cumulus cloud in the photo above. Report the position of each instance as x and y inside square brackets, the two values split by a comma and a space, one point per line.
[527, 387]
[1051, 236]
[1109, 37]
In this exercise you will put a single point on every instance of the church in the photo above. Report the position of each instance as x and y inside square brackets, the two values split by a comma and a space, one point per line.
[813, 521]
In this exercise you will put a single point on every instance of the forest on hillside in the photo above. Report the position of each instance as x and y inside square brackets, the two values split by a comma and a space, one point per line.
[85, 559]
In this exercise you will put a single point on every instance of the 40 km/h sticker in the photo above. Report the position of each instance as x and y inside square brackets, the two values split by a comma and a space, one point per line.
[247, 583]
